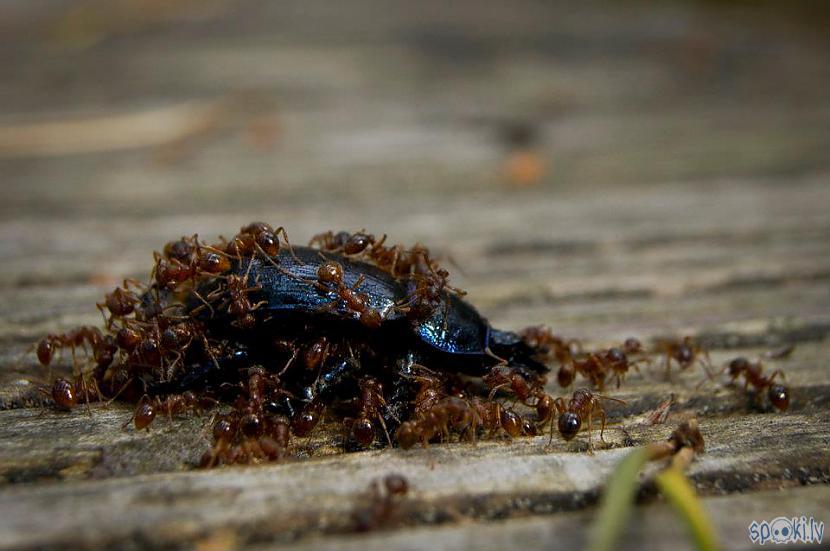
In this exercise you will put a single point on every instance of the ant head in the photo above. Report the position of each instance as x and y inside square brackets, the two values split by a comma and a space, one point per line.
[565, 376]
[779, 397]
[569, 425]
[632, 345]
[738, 365]
[684, 354]
[616, 356]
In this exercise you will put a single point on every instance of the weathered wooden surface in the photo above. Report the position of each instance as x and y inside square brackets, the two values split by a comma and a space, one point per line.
[686, 190]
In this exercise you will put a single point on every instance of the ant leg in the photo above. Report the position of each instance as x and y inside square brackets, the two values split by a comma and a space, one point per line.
[204, 302]
[590, 430]
[117, 394]
[775, 374]
[385, 431]
[602, 427]
[496, 389]
[210, 352]
[490, 353]
[281, 230]
[290, 360]
[358, 282]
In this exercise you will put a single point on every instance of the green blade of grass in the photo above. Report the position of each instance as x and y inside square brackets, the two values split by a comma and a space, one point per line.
[618, 501]
[675, 486]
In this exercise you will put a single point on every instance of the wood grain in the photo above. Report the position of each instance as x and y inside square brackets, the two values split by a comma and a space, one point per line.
[685, 190]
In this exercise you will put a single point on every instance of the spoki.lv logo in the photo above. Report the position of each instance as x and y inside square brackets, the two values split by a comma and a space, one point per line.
[787, 530]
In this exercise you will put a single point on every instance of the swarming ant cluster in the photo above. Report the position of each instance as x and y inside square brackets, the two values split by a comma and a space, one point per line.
[372, 338]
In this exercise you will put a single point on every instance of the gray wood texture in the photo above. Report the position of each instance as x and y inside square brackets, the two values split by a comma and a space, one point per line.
[684, 189]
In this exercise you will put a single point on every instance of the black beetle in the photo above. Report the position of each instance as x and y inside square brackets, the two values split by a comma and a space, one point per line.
[454, 338]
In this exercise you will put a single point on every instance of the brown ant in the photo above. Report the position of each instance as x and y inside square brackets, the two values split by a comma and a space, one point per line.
[64, 394]
[583, 405]
[752, 372]
[384, 499]
[330, 280]
[494, 417]
[304, 420]
[120, 302]
[369, 411]
[449, 413]
[237, 303]
[249, 439]
[551, 346]
[503, 377]
[618, 362]
[316, 353]
[173, 404]
[344, 242]
[258, 237]
[685, 352]
[80, 337]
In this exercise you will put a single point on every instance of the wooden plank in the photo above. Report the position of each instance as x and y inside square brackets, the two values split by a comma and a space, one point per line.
[685, 190]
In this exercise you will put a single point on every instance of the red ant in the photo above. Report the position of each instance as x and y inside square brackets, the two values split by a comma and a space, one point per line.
[304, 420]
[618, 362]
[551, 346]
[258, 237]
[120, 302]
[330, 279]
[583, 404]
[344, 242]
[494, 417]
[173, 404]
[503, 377]
[316, 353]
[752, 372]
[384, 499]
[64, 394]
[248, 439]
[369, 410]
[449, 413]
[236, 302]
[685, 352]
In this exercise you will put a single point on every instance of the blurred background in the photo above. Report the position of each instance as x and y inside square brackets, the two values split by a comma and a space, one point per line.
[595, 166]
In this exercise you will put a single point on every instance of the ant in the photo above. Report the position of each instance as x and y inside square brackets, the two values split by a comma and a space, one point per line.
[516, 380]
[316, 353]
[449, 413]
[120, 302]
[551, 346]
[330, 280]
[384, 498]
[79, 337]
[346, 243]
[173, 404]
[493, 417]
[369, 410]
[236, 303]
[752, 372]
[248, 439]
[304, 420]
[583, 404]
[618, 362]
[258, 237]
[685, 352]
[64, 394]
